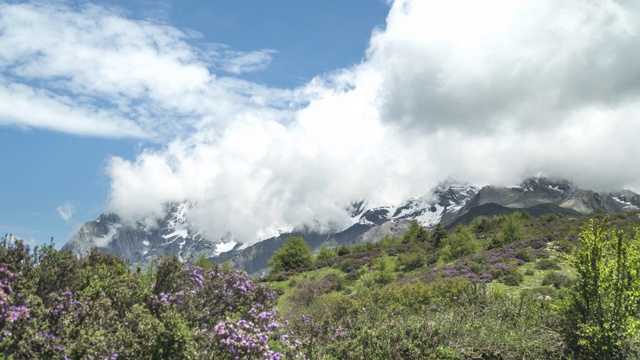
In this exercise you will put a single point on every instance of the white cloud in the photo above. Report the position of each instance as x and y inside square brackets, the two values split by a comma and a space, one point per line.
[88, 70]
[66, 211]
[492, 91]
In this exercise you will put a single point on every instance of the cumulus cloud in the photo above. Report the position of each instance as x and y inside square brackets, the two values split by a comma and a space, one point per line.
[492, 91]
[66, 211]
[89, 70]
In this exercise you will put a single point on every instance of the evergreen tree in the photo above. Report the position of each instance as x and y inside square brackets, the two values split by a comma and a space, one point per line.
[439, 235]
[325, 253]
[511, 228]
[294, 254]
[415, 233]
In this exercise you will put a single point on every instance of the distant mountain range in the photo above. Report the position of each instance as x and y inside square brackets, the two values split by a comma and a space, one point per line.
[452, 202]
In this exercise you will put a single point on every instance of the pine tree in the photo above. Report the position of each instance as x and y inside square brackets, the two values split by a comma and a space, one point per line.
[294, 254]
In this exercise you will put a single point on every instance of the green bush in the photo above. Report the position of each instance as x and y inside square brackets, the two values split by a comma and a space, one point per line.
[461, 242]
[512, 277]
[349, 265]
[547, 264]
[325, 254]
[511, 228]
[294, 254]
[383, 270]
[412, 260]
[525, 255]
[556, 279]
[603, 315]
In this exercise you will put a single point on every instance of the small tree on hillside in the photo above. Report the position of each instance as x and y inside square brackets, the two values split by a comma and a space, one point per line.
[325, 253]
[294, 254]
[439, 235]
[415, 233]
[604, 310]
[511, 228]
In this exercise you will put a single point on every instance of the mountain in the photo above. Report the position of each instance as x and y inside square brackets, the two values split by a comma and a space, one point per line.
[451, 202]
[170, 235]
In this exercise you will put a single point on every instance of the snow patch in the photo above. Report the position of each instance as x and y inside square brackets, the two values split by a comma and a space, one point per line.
[224, 247]
[183, 233]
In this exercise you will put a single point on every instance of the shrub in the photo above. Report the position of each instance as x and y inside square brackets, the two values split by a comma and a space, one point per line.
[325, 253]
[383, 270]
[556, 279]
[524, 255]
[294, 254]
[511, 229]
[460, 243]
[413, 260]
[343, 250]
[349, 265]
[604, 307]
[547, 264]
[512, 277]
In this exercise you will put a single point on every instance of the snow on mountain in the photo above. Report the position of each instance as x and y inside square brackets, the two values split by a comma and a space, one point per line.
[438, 205]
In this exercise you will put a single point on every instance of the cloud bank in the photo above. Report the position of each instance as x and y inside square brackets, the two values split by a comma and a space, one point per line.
[492, 91]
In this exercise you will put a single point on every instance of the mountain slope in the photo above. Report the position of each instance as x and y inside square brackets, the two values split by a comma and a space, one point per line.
[452, 202]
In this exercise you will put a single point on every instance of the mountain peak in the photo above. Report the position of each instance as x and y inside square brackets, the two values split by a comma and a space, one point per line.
[546, 184]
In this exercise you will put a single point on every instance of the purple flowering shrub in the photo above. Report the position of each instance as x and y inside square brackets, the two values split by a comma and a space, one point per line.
[55, 306]
[229, 311]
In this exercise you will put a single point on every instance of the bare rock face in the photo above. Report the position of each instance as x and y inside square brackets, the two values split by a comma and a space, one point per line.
[171, 235]
[452, 202]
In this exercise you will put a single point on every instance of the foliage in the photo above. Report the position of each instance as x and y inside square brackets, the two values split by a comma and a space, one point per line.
[294, 254]
[383, 270]
[511, 228]
[604, 308]
[547, 264]
[460, 243]
[412, 260]
[325, 253]
[415, 233]
[525, 255]
[55, 306]
[556, 279]
[439, 235]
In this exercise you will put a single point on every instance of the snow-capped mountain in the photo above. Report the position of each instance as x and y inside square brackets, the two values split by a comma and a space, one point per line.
[451, 202]
[441, 204]
[173, 234]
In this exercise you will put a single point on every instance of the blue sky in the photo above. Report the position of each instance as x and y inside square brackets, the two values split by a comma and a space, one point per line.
[273, 114]
[47, 169]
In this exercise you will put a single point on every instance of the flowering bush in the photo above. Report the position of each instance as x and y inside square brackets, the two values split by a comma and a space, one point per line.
[54, 306]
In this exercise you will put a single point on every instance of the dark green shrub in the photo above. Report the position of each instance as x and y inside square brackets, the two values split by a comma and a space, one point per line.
[525, 255]
[512, 277]
[530, 272]
[556, 279]
[349, 265]
[294, 254]
[547, 264]
[343, 250]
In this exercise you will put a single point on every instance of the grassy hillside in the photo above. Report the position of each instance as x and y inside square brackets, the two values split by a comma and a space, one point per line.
[496, 289]
[510, 287]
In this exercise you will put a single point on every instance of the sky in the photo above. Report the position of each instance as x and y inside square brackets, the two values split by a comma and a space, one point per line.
[279, 113]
